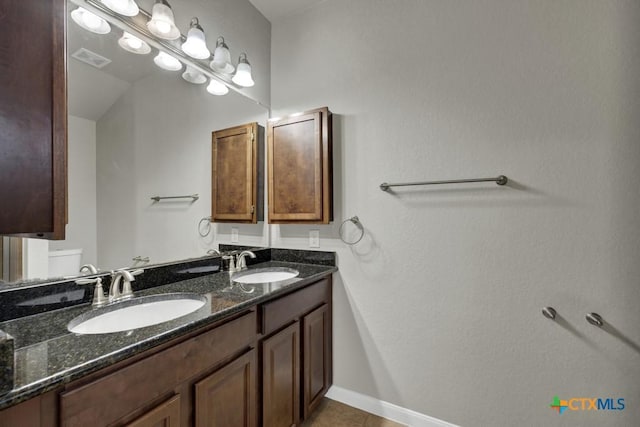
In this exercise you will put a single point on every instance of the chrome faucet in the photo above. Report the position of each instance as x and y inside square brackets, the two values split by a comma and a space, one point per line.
[236, 261]
[241, 264]
[126, 277]
[99, 299]
[213, 252]
[89, 269]
[231, 265]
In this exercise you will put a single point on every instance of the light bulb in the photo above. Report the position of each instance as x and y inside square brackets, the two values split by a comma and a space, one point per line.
[162, 23]
[167, 62]
[89, 21]
[122, 7]
[194, 76]
[196, 46]
[222, 58]
[163, 27]
[217, 88]
[132, 44]
[242, 77]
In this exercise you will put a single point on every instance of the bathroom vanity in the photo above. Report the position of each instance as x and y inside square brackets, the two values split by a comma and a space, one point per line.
[257, 354]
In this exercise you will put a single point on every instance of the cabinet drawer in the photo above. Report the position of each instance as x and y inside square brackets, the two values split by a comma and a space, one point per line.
[118, 394]
[279, 313]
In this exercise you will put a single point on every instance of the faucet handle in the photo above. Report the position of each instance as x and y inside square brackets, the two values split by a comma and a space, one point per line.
[232, 265]
[98, 295]
[137, 272]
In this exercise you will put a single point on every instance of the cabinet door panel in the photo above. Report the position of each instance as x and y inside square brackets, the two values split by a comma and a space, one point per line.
[300, 168]
[316, 336]
[33, 118]
[281, 378]
[296, 169]
[164, 415]
[235, 174]
[227, 398]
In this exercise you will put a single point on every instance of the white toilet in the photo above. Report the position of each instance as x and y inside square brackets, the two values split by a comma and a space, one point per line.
[65, 262]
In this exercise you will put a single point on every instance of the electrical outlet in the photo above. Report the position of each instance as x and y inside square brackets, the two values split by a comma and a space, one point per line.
[314, 238]
[234, 235]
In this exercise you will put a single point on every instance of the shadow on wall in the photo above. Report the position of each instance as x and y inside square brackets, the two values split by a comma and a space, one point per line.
[329, 231]
[358, 365]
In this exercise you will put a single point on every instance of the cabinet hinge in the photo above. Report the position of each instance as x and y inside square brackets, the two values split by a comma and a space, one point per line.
[253, 138]
[253, 208]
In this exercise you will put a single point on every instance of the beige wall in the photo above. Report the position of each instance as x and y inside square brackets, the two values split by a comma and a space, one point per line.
[438, 309]
[156, 141]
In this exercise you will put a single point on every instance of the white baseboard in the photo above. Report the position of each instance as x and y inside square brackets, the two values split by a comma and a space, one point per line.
[384, 409]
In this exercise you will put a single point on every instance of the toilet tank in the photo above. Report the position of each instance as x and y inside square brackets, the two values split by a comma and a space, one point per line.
[65, 262]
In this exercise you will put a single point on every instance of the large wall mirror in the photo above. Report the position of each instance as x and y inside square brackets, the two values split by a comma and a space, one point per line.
[135, 132]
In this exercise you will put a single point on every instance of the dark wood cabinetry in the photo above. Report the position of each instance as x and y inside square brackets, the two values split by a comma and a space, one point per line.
[228, 396]
[281, 378]
[237, 170]
[316, 357]
[135, 391]
[166, 414]
[296, 360]
[33, 118]
[268, 366]
[300, 168]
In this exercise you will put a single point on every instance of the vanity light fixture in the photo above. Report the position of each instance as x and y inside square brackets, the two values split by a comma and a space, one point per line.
[89, 21]
[167, 62]
[194, 76]
[132, 44]
[242, 77]
[222, 58]
[162, 23]
[123, 7]
[196, 46]
[217, 88]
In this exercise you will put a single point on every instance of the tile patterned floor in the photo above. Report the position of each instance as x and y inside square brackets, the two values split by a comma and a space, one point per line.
[335, 414]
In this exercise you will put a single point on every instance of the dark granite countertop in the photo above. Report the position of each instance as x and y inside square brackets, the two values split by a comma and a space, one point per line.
[48, 356]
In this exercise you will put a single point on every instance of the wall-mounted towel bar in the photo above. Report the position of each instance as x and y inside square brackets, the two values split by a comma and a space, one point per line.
[193, 197]
[500, 180]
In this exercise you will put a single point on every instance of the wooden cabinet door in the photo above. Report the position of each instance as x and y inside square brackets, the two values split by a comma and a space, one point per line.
[166, 414]
[316, 355]
[227, 398]
[281, 378]
[236, 175]
[300, 168]
[33, 118]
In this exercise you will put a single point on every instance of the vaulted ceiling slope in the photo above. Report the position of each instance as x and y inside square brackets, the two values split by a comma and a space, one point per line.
[274, 9]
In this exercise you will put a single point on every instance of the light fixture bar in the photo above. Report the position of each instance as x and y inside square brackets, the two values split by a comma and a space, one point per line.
[134, 26]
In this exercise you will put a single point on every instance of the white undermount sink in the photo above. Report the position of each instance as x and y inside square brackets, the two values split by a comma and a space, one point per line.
[265, 275]
[136, 313]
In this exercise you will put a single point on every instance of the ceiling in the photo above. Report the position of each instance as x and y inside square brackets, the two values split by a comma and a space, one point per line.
[274, 9]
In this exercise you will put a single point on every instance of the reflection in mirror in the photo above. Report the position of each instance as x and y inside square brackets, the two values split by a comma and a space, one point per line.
[135, 131]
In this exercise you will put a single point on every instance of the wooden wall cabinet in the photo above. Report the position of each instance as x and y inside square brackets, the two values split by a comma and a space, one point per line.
[300, 168]
[33, 118]
[237, 168]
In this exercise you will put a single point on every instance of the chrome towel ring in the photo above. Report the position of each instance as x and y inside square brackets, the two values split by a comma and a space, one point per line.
[356, 221]
[201, 232]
